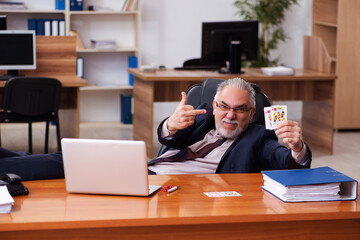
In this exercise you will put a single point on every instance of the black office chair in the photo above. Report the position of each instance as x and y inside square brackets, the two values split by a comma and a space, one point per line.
[32, 99]
[205, 93]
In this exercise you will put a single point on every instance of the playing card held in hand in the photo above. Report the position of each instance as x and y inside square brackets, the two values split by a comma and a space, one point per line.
[274, 115]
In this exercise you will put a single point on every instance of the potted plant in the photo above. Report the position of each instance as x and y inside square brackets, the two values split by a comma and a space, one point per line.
[270, 14]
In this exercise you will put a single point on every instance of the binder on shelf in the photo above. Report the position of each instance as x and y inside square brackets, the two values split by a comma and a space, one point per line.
[47, 27]
[32, 24]
[60, 4]
[40, 27]
[126, 106]
[55, 27]
[79, 5]
[313, 184]
[72, 5]
[62, 27]
[80, 67]
[133, 63]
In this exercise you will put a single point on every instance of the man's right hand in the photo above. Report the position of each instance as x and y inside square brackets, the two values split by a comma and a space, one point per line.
[183, 116]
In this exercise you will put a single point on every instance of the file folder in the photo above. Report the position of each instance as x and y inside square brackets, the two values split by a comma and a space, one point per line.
[313, 184]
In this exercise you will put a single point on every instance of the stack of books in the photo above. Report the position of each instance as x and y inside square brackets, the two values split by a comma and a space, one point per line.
[104, 44]
[314, 184]
[12, 6]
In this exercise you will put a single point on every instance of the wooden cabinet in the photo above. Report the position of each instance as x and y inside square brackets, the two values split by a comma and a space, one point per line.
[337, 23]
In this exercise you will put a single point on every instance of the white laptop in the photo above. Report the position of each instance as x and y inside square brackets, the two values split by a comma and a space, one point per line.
[116, 167]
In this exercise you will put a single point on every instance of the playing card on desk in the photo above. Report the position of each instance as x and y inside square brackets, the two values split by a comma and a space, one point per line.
[274, 115]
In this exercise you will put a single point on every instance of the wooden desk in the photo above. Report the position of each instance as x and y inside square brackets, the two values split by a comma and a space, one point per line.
[315, 89]
[51, 213]
[56, 57]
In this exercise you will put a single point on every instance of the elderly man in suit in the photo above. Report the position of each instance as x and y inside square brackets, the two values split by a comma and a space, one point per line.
[241, 147]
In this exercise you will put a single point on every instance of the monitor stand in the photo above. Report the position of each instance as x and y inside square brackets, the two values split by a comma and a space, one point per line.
[10, 74]
[235, 56]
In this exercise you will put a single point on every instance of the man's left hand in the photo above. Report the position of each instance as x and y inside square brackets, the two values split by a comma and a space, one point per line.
[290, 133]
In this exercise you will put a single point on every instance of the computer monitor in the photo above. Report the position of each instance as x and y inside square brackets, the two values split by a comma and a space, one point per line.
[229, 41]
[18, 51]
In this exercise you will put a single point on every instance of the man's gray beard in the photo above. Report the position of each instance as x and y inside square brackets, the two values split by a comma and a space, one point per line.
[233, 134]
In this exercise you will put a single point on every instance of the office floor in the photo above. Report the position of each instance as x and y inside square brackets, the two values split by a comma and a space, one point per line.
[345, 158]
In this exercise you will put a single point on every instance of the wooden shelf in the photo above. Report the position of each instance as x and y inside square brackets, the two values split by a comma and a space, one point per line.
[94, 50]
[103, 12]
[32, 11]
[325, 11]
[107, 88]
[327, 24]
[334, 22]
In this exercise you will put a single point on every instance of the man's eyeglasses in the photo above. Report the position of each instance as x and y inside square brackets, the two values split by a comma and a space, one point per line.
[238, 109]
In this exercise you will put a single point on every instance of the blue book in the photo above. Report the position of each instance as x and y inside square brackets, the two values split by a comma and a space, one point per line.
[79, 5]
[40, 28]
[72, 5]
[60, 4]
[132, 64]
[126, 106]
[32, 24]
[313, 184]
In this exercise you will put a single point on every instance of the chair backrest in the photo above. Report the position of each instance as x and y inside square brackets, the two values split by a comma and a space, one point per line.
[31, 96]
[205, 93]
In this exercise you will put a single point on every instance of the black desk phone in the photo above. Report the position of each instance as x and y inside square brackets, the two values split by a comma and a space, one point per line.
[13, 184]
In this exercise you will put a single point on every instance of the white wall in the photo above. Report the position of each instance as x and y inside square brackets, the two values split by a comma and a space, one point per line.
[171, 29]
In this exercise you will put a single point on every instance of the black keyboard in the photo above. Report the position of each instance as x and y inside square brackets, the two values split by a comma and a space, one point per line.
[198, 67]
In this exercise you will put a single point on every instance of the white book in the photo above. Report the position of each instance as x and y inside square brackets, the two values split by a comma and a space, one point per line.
[47, 27]
[6, 201]
[55, 27]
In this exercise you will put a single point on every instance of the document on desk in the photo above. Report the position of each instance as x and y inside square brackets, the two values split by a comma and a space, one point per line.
[6, 201]
[314, 184]
[278, 71]
[223, 194]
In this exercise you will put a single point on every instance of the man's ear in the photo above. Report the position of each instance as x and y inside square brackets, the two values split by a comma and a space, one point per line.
[252, 113]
